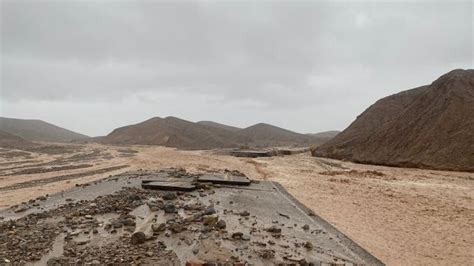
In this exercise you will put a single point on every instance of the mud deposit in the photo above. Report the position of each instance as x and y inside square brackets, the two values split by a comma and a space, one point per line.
[116, 221]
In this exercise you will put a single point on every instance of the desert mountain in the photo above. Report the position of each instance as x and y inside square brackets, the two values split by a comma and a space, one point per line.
[179, 133]
[37, 130]
[325, 134]
[174, 132]
[218, 125]
[10, 141]
[268, 135]
[429, 127]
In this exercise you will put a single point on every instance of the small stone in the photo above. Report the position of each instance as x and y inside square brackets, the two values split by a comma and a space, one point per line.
[237, 235]
[273, 229]
[195, 250]
[88, 216]
[209, 211]
[308, 245]
[221, 224]
[267, 253]
[306, 227]
[244, 213]
[210, 220]
[170, 208]
[138, 238]
[82, 242]
[177, 228]
[245, 237]
[169, 196]
[158, 227]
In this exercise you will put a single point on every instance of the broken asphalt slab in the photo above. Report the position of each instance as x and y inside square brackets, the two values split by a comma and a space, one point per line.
[225, 179]
[259, 224]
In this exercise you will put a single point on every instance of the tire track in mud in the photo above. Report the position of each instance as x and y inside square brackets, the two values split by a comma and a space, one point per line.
[34, 183]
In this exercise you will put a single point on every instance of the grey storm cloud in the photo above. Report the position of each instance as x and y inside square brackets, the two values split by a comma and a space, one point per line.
[288, 63]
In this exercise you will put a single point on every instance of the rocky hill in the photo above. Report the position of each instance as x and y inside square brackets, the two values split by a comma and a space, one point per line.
[179, 133]
[10, 141]
[218, 125]
[174, 132]
[428, 127]
[326, 134]
[37, 130]
[263, 135]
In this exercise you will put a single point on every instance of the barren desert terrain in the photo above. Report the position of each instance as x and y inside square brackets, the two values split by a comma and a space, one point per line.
[402, 216]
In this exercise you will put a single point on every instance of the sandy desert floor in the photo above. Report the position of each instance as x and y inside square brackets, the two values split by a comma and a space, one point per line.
[402, 216]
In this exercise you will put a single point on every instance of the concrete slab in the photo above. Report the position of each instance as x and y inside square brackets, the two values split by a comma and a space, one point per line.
[252, 154]
[283, 151]
[169, 185]
[225, 179]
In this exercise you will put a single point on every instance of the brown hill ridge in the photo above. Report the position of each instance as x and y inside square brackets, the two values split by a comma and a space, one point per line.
[174, 132]
[179, 133]
[219, 125]
[10, 141]
[37, 130]
[326, 134]
[427, 127]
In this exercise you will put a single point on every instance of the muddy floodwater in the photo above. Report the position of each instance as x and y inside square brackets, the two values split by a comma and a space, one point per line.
[401, 216]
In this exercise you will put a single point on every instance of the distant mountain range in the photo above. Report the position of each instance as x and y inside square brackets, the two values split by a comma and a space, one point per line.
[37, 130]
[169, 131]
[429, 127]
[179, 133]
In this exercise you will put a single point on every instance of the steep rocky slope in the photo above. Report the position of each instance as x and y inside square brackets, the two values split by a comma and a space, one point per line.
[428, 127]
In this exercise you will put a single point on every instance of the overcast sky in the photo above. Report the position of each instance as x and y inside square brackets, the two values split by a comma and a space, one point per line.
[92, 66]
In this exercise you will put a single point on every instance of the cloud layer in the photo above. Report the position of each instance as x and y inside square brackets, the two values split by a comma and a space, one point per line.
[309, 66]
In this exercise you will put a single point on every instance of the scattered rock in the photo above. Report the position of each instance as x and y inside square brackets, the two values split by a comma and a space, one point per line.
[209, 211]
[169, 196]
[158, 227]
[221, 224]
[244, 213]
[170, 208]
[210, 220]
[273, 229]
[237, 235]
[138, 238]
[266, 253]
